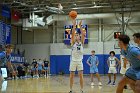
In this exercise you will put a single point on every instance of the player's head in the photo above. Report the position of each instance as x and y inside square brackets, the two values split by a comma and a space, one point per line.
[92, 52]
[112, 53]
[21, 64]
[34, 60]
[9, 48]
[77, 36]
[123, 40]
[39, 59]
[136, 37]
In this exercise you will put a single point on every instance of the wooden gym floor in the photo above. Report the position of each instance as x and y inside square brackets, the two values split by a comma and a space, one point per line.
[57, 84]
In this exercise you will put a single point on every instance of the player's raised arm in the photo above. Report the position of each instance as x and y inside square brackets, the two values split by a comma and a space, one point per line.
[82, 33]
[73, 31]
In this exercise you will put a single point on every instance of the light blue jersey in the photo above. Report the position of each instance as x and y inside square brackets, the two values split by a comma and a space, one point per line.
[132, 54]
[93, 60]
[40, 65]
[2, 58]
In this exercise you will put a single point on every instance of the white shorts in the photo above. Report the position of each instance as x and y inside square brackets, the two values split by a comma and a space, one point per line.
[112, 70]
[76, 65]
[123, 70]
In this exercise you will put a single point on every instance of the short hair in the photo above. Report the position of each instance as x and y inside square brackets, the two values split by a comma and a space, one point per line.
[112, 53]
[93, 51]
[124, 38]
[9, 46]
[137, 35]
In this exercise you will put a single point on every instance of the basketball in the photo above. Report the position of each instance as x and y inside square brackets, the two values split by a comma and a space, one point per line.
[73, 14]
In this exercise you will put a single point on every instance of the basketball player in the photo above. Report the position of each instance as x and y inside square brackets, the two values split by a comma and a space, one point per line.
[77, 42]
[93, 62]
[6, 57]
[124, 66]
[137, 38]
[40, 65]
[45, 66]
[112, 64]
[34, 68]
[2, 56]
[132, 75]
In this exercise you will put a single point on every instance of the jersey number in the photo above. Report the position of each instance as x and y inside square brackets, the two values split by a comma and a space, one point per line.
[111, 61]
[78, 48]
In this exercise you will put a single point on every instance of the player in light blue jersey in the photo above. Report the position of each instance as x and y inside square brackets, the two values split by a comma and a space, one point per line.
[2, 60]
[93, 62]
[132, 75]
[40, 65]
[137, 38]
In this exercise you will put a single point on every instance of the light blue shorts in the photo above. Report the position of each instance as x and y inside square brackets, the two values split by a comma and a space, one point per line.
[133, 74]
[93, 70]
[45, 68]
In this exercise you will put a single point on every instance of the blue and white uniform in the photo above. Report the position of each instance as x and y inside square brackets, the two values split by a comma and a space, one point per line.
[76, 57]
[40, 63]
[93, 60]
[123, 70]
[34, 65]
[2, 58]
[46, 64]
[112, 64]
[131, 53]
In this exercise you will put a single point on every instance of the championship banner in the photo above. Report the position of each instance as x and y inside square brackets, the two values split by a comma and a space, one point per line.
[5, 33]
[8, 34]
[68, 33]
[2, 33]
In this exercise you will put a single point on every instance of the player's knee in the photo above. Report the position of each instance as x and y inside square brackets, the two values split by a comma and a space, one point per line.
[71, 76]
[81, 76]
[137, 86]
[121, 83]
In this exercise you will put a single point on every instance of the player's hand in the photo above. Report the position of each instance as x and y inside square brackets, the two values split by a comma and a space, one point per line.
[80, 23]
[96, 64]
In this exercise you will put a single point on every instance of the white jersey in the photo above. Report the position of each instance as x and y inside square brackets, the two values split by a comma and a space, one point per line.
[77, 52]
[122, 62]
[112, 61]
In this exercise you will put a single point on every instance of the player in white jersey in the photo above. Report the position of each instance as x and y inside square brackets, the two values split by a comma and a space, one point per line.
[77, 42]
[112, 64]
[124, 66]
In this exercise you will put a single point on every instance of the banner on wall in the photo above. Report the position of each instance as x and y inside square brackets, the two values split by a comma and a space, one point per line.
[6, 11]
[15, 58]
[68, 33]
[5, 33]
[2, 33]
[8, 34]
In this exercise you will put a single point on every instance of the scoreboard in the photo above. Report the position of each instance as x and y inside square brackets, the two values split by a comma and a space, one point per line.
[68, 33]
